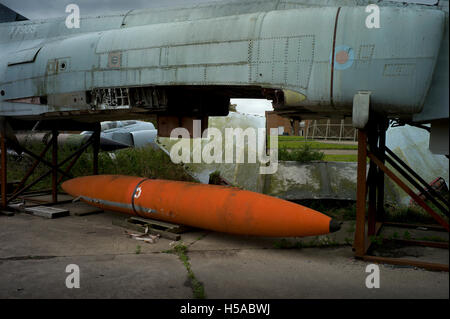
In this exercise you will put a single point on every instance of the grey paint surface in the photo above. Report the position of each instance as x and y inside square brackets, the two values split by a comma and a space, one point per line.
[236, 43]
[131, 133]
[437, 102]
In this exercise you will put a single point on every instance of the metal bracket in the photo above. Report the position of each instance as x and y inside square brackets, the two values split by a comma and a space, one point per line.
[361, 104]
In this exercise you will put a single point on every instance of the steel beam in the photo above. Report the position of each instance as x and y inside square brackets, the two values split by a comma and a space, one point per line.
[360, 233]
[373, 185]
[54, 166]
[408, 190]
[4, 177]
[383, 125]
[407, 262]
[96, 148]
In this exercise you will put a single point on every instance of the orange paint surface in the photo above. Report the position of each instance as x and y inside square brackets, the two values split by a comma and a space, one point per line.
[218, 208]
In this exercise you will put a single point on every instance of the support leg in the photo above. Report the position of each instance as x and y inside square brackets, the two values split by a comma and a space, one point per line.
[380, 176]
[4, 151]
[372, 180]
[360, 233]
[54, 166]
[96, 147]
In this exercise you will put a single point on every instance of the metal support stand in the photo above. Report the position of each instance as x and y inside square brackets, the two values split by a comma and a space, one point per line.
[96, 147]
[54, 166]
[4, 177]
[57, 170]
[374, 136]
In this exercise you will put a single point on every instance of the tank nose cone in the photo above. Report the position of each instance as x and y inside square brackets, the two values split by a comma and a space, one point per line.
[334, 225]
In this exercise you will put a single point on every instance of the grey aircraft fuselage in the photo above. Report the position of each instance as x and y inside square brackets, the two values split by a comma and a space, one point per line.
[113, 135]
[309, 57]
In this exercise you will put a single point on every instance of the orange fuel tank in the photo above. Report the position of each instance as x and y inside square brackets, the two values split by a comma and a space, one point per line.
[219, 208]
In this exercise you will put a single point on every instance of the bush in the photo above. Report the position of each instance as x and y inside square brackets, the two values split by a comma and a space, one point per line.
[143, 162]
[303, 154]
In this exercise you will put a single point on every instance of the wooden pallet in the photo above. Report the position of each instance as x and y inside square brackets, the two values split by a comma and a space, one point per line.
[155, 227]
[159, 225]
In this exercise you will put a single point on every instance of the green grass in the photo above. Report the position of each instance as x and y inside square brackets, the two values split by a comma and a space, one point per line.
[197, 287]
[302, 155]
[144, 162]
[294, 142]
[324, 241]
[433, 238]
[346, 211]
[341, 158]
[316, 145]
[290, 138]
[338, 209]
[411, 214]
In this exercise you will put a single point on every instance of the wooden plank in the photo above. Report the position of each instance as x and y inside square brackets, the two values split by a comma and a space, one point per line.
[165, 226]
[141, 228]
[47, 212]
[6, 212]
[152, 221]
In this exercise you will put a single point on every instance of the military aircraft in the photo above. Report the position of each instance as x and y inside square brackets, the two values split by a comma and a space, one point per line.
[320, 58]
[114, 135]
[127, 133]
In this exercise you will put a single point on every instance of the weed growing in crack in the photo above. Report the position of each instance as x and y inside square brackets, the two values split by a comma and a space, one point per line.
[197, 287]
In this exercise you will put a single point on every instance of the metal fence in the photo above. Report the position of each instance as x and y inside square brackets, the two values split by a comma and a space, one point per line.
[331, 130]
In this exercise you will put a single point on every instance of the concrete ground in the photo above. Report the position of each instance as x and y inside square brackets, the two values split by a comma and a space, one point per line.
[34, 254]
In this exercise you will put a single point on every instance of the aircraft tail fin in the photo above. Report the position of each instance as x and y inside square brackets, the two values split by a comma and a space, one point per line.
[8, 15]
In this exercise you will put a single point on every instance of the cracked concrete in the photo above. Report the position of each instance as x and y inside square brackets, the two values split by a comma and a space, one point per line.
[35, 251]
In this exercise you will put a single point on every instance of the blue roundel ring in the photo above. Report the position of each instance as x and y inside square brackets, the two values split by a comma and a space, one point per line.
[343, 57]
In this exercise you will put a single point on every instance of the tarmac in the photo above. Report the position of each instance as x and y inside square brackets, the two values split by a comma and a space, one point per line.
[35, 252]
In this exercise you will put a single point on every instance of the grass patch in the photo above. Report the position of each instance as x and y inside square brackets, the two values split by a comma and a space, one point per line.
[346, 210]
[302, 155]
[294, 142]
[338, 209]
[341, 158]
[283, 138]
[433, 238]
[287, 244]
[197, 287]
[411, 214]
[316, 242]
[316, 145]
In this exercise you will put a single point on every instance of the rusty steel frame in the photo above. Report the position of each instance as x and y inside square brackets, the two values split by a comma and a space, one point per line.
[425, 189]
[372, 186]
[4, 176]
[54, 166]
